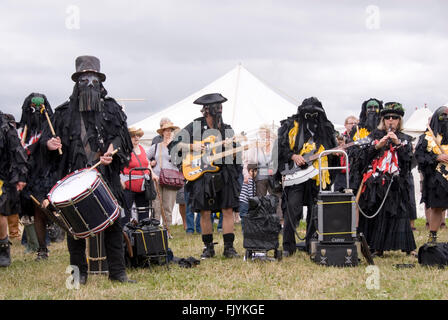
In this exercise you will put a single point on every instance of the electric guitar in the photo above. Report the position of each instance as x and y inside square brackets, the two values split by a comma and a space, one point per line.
[298, 175]
[195, 165]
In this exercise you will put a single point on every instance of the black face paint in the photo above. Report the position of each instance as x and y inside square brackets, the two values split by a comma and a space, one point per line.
[89, 87]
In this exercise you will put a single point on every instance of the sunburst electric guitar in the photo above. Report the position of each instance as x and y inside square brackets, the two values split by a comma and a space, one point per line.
[196, 164]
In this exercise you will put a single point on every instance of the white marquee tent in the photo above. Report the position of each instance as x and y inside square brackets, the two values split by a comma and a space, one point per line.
[251, 103]
[416, 124]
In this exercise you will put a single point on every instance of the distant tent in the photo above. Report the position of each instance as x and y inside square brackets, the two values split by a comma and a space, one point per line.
[251, 103]
[417, 122]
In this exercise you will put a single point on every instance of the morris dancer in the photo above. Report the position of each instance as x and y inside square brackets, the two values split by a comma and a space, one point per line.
[432, 156]
[385, 201]
[212, 191]
[307, 131]
[88, 128]
[30, 129]
[13, 172]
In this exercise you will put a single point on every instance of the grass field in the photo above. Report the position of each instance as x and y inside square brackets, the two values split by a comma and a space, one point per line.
[293, 278]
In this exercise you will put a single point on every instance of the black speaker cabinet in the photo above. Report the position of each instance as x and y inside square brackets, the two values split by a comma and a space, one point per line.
[336, 217]
[336, 255]
[96, 254]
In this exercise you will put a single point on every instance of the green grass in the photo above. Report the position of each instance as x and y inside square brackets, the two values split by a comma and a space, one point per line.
[296, 277]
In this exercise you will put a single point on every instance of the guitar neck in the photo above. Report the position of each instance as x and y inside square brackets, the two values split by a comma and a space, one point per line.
[234, 139]
[315, 156]
[230, 152]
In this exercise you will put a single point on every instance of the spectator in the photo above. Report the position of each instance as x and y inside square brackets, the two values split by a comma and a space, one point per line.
[248, 190]
[134, 189]
[160, 153]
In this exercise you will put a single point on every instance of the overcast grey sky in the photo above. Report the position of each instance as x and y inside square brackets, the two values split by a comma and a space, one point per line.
[342, 52]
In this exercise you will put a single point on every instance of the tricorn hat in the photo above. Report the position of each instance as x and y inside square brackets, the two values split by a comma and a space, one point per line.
[210, 98]
[85, 64]
[392, 108]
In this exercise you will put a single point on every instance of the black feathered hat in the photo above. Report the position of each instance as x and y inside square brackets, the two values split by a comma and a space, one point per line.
[85, 64]
[209, 99]
[392, 108]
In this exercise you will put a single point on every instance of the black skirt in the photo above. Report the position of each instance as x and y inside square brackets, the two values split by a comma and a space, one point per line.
[215, 191]
[390, 229]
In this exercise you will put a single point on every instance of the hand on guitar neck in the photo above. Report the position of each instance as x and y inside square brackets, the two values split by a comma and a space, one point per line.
[298, 160]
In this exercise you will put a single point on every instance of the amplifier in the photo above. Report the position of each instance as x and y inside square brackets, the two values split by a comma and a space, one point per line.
[337, 255]
[96, 254]
[336, 217]
[149, 244]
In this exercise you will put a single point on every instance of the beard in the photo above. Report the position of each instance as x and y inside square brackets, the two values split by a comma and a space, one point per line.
[90, 100]
[372, 120]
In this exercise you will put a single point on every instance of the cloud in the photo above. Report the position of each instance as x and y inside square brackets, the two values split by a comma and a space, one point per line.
[164, 51]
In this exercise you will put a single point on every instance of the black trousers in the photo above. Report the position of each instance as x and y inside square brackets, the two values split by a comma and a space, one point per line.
[113, 241]
[293, 213]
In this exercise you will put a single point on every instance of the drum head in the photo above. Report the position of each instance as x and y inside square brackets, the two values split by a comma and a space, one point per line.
[73, 185]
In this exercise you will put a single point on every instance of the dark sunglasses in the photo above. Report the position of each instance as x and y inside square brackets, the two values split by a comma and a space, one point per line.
[391, 117]
[443, 117]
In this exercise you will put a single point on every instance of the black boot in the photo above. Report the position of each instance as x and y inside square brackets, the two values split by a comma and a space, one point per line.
[5, 253]
[123, 278]
[432, 238]
[229, 250]
[42, 254]
[209, 248]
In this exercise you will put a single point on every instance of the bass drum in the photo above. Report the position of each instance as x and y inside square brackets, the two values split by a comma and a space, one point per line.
[85, 202]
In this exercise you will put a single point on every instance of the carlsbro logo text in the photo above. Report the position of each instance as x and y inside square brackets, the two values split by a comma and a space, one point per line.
[337, 240]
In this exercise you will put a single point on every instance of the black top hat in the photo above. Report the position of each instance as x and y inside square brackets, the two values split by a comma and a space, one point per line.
[393, 108]
[210, 98]
[88, 64]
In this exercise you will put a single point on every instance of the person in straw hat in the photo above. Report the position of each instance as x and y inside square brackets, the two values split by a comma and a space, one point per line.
[134, 189]
[159, 152]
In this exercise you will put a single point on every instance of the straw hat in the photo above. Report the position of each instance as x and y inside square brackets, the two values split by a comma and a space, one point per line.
[134, 131]
[167, 125]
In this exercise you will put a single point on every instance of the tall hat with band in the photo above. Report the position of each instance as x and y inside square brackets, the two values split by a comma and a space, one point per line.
[394, 108]
[85, 64]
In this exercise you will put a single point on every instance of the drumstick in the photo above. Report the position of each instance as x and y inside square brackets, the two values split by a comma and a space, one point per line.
[35, 200]
[50, 215]
[25, 131]
[51, 126]
[99, 162]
